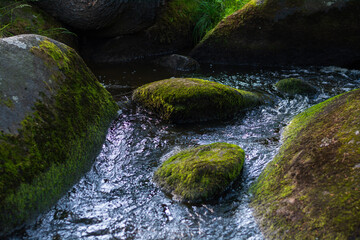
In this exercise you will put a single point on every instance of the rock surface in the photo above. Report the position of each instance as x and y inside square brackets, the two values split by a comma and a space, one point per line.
[107, 18]
[53, 120]
[202, 173]
[311, 189]
[292, 86]
[286, 32]
[178, 62]
[182, 100]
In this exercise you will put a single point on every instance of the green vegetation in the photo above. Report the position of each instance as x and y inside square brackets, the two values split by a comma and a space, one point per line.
[182, 100]
[310, 190]
[20, 17]
[200, 174]
[57, 142]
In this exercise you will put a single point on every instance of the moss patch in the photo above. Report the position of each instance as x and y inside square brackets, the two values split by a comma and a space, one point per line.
[311, 189]
[57, 143]
[202, 173]
[188, 100]
[294, 86]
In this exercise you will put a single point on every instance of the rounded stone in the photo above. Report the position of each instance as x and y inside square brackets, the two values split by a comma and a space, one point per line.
[202, 173]
[294, 86]
[182, 100]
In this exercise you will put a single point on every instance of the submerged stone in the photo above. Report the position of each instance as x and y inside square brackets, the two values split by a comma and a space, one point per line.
[311, 189]
[181, 100]
[178, 63]
[294, 86]
[54, 115]
[202, 173]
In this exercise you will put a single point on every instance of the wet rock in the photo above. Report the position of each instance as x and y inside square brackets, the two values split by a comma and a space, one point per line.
[182, 100]
[178, 63]
[107, 18]
[292, 86]
[18, 18]
[286, 32]
[54, 115]
[202, 173]
[311, 189]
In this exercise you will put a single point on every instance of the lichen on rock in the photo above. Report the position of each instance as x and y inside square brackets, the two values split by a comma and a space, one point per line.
[53, 123]
[202, 173]
[311, 189]
[182, 100]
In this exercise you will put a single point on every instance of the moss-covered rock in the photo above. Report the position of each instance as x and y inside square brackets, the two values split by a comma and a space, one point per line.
[294, 86]
[286, 32]
[181, 100]
[202, 173]
[311, 189]
[53, 120]
[20, 17]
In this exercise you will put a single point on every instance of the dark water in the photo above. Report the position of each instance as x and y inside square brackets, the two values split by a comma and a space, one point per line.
[117, 199]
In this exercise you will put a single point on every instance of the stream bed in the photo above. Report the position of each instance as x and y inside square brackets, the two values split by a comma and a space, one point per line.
[117, 198]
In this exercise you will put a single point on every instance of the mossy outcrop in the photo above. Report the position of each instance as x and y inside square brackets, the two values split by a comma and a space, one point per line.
[20, 17]
[53, 120]
[311, 189]
[182, 100]
[286, 32]
[202, 173]
[294, 86]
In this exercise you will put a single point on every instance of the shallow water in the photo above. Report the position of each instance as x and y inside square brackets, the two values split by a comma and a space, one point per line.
[117, 198]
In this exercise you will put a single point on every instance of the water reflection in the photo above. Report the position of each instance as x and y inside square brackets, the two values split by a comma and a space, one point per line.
[117, 199]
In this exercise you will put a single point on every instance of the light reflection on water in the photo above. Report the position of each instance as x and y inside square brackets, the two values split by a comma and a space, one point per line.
[117, 199]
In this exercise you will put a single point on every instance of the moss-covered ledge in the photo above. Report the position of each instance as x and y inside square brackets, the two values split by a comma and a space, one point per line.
[182, 100]
[54, 118]
[200, 174]
[311, 189]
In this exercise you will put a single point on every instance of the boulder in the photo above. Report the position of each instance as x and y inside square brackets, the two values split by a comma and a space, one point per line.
[182, 100]
[311, 189]
[18, 18]
[107, 18]
[202, 173]
[54, 116]
[286, 32]
[178, 62]
[292, 86]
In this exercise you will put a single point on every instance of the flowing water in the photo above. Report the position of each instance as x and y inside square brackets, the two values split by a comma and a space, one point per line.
[117, 198]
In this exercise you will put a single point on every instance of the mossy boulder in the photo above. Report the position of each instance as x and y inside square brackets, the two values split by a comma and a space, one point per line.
[54, 116]
[202, 173]
[286, 32]
[294, 86]
[182, 100]
[311, 189]
[19, 17]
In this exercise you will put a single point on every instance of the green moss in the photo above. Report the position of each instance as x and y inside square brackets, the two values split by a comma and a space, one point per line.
[7, 102]
[188, 100]
[317, 162]
[294, 86]
[20, 17]
[57, 143]
[200, 174]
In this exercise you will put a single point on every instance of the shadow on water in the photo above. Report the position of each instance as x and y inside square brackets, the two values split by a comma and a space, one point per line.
[117, 198]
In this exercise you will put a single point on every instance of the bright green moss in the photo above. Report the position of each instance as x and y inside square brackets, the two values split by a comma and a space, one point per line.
[294, 86]
[188, 100]
[57, 143]
[310, 190]
[200, 174]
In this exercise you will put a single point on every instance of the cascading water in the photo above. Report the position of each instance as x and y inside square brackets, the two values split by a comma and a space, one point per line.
[117, 198]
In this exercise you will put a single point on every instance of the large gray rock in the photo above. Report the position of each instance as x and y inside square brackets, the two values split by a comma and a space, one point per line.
[108, 17]
[53, 119]
[286, 32]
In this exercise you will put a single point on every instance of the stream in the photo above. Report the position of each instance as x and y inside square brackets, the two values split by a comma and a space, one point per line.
[117, 198]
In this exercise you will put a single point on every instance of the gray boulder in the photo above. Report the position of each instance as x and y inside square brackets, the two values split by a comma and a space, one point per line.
[53, 120]
[178, 62]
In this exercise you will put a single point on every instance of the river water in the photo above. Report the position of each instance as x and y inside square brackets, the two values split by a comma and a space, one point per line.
[117, 198]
